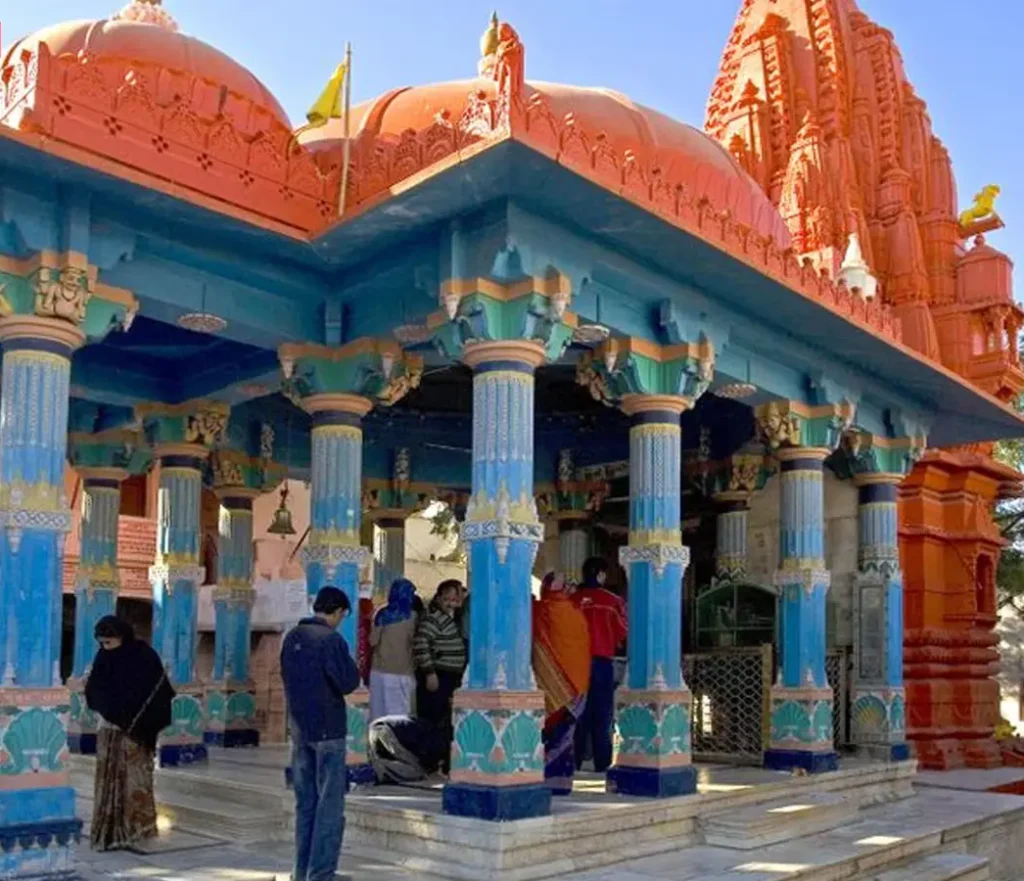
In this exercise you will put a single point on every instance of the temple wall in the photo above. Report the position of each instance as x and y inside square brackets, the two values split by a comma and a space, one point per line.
[840, 548]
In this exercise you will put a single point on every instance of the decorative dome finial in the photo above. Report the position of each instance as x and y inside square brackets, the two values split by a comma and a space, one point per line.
[148, 12]
[488, 46]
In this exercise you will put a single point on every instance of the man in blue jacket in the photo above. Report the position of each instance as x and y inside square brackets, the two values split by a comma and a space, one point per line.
[318, 671]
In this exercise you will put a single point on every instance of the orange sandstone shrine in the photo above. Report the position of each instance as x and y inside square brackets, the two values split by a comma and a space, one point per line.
[760, 369]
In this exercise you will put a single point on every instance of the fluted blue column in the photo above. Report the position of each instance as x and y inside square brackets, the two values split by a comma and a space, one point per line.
[497, 767]
[653, 709]
[96, 587]
[176, 576]
[731, 535]
[333, 554]
[801, 700]
[230, 698]
[879, 701]
[37, 803]
[573, 546]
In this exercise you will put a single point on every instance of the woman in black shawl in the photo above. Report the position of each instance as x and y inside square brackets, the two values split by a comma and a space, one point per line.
[128, 688]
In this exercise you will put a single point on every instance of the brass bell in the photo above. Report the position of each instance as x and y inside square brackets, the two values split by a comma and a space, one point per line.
[282, 523]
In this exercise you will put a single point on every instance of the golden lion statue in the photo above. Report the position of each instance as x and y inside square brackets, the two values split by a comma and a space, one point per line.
[984, 206]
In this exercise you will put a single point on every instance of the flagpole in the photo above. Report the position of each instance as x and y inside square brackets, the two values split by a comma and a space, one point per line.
[347, 146]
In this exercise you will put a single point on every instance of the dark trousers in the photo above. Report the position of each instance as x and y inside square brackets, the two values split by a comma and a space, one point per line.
[435, 707]
[598, 716]
[319, 780]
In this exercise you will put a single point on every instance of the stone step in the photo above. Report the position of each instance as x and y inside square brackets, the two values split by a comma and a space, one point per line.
[213, 818]
[771, 822]
[936, 867]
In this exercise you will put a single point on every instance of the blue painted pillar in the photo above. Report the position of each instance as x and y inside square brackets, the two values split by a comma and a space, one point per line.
[96, 587]
[38, 827]
[879, 701]
[231, 696]
[497, 767]
[653, 707]
[333, 554]
[176, 576]
[573, 546]
[731, 535]
[801, 700]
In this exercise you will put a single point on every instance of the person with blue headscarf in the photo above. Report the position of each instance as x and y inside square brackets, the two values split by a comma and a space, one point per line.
[392, 671]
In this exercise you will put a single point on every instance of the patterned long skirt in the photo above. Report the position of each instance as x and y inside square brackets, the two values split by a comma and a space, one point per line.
[124, 810]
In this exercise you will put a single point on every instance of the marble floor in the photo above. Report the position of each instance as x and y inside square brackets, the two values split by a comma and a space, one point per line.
[929, 830]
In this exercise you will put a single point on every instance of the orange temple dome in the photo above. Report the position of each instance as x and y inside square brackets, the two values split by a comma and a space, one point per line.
[680, 152]
[144, 37]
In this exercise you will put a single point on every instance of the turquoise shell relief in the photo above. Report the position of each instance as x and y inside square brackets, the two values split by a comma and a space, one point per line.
[241, 707]
[34, 742]
[355, 740]
[638, 730]
[186, 717]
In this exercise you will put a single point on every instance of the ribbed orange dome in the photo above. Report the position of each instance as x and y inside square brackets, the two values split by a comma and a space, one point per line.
[143, 33]
[680, 151]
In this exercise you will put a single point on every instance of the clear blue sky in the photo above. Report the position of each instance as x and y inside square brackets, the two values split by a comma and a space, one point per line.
[963, 58]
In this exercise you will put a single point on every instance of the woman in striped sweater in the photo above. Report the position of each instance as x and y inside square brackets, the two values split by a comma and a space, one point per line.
[440, 656]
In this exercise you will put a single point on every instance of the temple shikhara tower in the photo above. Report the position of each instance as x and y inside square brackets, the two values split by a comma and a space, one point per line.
[812, 99]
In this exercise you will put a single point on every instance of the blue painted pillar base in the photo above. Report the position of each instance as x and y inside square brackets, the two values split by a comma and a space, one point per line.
[38, 827]
[653, 782]
[231, 715]
[497, 769]
[82, 724]
[801, 730]
[652, 757]
[878, 717]
[496, 802]
[182, 742]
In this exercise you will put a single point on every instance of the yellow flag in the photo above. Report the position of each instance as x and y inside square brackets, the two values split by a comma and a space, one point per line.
[328, 105]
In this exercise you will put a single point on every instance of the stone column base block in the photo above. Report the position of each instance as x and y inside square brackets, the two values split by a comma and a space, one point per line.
[878, 716]
[793, 760]
[231, 715]
[983, 753]
[943, 754]
[497, 747]
[499, 803]
[182, 742]
[652, 782]
[801, 730]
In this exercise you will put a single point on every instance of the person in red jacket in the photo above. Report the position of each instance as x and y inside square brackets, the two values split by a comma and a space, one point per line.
[606, 618]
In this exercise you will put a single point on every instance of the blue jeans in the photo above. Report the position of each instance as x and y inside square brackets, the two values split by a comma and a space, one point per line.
[598, 716]
[319, 779]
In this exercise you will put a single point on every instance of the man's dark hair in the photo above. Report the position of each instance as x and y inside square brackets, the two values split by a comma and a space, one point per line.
[592, 567]
[329, 600]
[447, 585]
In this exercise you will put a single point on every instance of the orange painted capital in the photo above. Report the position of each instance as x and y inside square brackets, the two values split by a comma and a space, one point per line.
[633, 404]
[527, 351]
[338, 403]
[788, 454]
[117, 474]
[194, 451]
[31, 327]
